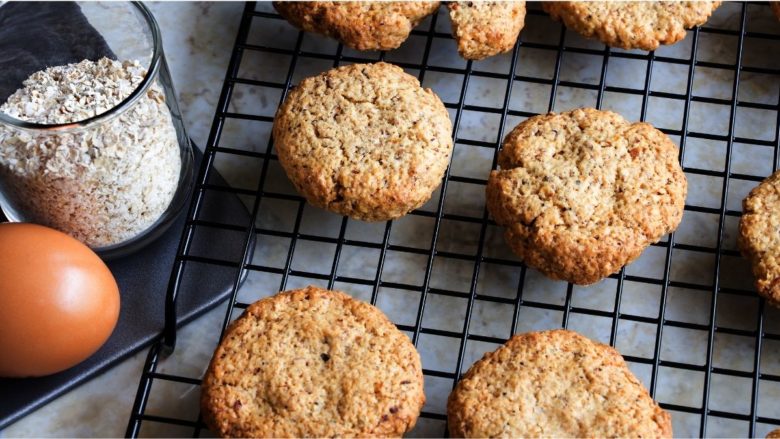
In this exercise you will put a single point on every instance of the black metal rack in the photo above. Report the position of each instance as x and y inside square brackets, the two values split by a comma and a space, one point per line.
[738, 335]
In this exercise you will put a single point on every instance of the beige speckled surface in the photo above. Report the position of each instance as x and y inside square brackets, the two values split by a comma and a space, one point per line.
[101, 407]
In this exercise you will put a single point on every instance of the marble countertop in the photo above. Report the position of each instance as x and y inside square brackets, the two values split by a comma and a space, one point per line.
[198, 38]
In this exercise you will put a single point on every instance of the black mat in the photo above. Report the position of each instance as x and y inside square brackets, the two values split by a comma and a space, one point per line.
[143, 280]
[37, 35]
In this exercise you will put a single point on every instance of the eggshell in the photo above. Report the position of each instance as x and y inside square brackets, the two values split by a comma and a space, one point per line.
[58, 301]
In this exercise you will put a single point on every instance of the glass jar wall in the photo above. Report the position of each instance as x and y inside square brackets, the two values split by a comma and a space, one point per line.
[92, 142]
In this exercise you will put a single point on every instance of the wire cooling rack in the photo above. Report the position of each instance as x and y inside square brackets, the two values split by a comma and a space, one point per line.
[684, 315]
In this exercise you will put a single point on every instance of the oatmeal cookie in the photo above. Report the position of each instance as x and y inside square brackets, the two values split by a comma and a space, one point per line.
[313, 363]
[553, 384]
[632, 25]
[362, 25]
[364, 140]
[583, 193]
[758, 239]
[486, 28]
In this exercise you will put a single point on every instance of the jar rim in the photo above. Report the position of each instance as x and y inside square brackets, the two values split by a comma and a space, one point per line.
[146, 82]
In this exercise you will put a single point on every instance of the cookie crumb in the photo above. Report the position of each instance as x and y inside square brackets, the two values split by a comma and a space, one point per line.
[486, 28]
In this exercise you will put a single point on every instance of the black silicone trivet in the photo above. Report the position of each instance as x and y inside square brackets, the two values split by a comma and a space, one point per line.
[143, 280]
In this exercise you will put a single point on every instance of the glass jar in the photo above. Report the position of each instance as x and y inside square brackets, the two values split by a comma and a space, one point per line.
[92, 142]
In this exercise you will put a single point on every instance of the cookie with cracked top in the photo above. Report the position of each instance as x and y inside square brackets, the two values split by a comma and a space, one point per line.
[486, 28]
[313, 363]
[364, 140]
[633, 24]
[582, 193]
[758, 239]
[553, 384]
[362, 25]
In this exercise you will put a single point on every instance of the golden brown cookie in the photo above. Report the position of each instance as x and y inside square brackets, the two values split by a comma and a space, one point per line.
[634, 24]
[553, 384]
[362, 25]
[583, 193]
[313, 363]
[364, 140]
[774, 434]
[758, 239]
[486, 28]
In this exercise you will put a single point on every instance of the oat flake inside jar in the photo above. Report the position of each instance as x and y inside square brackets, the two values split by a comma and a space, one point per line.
[96, 149]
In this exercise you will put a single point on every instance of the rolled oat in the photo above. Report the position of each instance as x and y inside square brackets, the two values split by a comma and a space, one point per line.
[104, 183]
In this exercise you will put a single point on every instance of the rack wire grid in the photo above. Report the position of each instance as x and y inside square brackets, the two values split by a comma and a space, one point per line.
[684, 315]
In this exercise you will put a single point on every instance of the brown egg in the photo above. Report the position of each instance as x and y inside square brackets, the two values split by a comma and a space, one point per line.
[58, 301]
